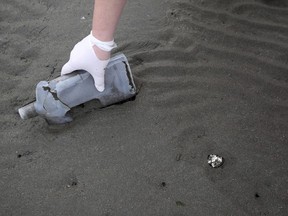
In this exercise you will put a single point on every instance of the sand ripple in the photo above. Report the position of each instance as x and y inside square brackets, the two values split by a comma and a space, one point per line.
[222, 67]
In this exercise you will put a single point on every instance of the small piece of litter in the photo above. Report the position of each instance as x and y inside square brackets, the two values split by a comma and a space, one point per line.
[83, 18]
[215, 161]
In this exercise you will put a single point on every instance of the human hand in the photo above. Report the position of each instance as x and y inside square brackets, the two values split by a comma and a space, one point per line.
[92, 56]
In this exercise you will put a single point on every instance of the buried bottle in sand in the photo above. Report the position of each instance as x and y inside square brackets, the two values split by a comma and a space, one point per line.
[56, 97]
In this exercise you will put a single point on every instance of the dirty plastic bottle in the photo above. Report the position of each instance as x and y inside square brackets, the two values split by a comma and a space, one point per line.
[56, 97]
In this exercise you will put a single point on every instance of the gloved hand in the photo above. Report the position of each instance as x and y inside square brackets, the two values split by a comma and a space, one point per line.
[83, 57]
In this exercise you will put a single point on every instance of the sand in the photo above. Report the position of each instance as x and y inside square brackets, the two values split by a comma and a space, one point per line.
[212, 79]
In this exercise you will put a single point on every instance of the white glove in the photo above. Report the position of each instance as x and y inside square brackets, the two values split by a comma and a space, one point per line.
[83, 57]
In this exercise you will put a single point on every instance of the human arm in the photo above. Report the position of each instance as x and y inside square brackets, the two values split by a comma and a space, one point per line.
[93, 52]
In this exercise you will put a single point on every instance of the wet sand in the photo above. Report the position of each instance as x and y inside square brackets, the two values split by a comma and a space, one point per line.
[212, 79]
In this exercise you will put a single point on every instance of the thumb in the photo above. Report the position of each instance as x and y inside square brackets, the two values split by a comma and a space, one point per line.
[99, 80]
[67, 68]
[98, 73]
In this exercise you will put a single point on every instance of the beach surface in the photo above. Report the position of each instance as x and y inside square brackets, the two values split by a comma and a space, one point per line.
[212, 79]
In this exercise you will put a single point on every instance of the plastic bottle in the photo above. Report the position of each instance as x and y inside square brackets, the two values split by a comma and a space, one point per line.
[56, 97]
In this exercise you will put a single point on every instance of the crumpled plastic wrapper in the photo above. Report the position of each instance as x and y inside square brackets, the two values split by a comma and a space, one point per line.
[215, 161]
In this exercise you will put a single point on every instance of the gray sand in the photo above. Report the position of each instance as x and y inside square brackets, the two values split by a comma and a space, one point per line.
[213, 79]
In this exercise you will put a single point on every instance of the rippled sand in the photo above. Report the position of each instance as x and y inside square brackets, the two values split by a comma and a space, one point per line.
[212, 79]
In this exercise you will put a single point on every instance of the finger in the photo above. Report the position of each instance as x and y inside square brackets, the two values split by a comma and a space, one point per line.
[99, 82]
[100, 88]
[66, 69]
